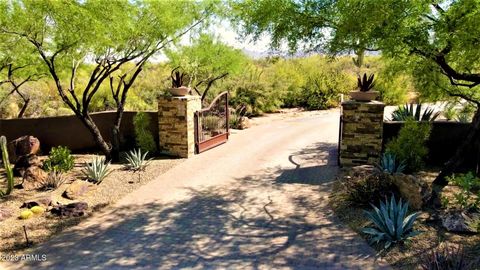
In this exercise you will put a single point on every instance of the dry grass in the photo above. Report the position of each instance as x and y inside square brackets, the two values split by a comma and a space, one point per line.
[119, 183]
[410, 254]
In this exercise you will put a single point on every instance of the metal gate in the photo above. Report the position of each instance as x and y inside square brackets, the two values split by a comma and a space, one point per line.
[211, 124]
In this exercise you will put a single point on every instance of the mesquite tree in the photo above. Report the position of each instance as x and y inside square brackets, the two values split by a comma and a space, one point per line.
[102, 37]
[436, 40]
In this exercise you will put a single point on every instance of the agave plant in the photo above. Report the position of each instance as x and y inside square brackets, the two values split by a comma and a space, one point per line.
[96, 170]
[389, 164]
[137, 160]
[177, 78]
[410, 111]
[391, 223]
[365, 84]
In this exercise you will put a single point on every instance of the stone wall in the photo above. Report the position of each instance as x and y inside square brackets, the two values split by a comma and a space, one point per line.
[362, 131]
[176, 125]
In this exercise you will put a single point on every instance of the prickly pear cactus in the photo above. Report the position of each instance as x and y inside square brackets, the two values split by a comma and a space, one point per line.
[6, 164]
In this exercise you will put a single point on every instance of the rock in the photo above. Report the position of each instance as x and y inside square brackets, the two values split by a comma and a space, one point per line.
[363, 171]
[34, 178]
[415, 190]
[25, 162]
[457, 221]
[5, 213]
[43, 201]
[244, 123]
[26, 145]
[76, 209]
[77, 189]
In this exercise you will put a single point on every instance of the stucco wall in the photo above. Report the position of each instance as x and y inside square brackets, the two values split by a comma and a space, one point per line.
[444, 140]
[69, 130]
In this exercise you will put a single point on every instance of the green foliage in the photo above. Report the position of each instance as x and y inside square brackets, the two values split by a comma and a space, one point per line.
[369, 189]
[390, 164]
[391, 223]
[137, 160]
[449, 111]
[469, 184]
[409, 145]
[414, 112]
[143, 135]
[97, 170]
[7, 166]
[446, 258]
[365, 84]
[60, 159]
[212, 122]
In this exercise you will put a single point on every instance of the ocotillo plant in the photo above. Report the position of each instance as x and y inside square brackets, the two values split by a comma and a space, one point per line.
[6, 164]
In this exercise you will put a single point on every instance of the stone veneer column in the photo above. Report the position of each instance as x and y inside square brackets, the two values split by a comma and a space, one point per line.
[176, 124]
[362, 132]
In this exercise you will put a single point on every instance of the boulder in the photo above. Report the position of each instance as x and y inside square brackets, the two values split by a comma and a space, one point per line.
[76, 209]
[25, 162]
[34, 178]
[458, 221]
[244, 123]
[77, 189]
[26, 145]
[363, 171]
[5, 213]
[413, 189]
[42, 201]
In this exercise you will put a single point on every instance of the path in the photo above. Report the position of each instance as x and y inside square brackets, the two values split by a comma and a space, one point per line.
[257, 202]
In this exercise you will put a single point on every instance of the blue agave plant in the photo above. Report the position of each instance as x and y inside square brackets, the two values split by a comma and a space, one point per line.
[392, 225]
[388, 163]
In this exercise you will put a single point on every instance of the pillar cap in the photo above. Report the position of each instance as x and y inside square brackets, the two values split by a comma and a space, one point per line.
[355, 102]
[187, 97]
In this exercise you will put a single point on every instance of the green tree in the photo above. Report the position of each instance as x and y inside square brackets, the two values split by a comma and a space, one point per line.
[107, 35]
[436, 41]
[206, 60]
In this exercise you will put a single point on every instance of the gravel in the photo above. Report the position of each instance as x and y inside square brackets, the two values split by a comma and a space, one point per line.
[39, 228]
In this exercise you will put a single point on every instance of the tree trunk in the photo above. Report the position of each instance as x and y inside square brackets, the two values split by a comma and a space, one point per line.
[471, 140]
[24, 108]
[115, 154]
[97, 136]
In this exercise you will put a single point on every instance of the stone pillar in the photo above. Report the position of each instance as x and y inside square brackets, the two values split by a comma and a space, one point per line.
[176, 124]
[362, 132]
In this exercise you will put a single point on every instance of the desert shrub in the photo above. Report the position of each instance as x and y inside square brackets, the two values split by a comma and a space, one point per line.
[449, 111]
[369, 189]
[446, 258]
[143, 135]
[469, 184]
[212, 122]
[54, 180]
[410, 146]
[137, 161]
[60, 159]
[391, 223]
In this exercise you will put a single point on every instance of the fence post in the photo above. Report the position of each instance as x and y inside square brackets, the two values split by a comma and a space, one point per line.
[176, 125]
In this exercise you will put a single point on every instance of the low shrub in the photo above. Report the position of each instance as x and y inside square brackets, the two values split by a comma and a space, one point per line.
[54, 180]
[143, 136]
[410, 146]
[446, 258]
[469, 184]
[391, 223]
[369, 189]
[60, 159]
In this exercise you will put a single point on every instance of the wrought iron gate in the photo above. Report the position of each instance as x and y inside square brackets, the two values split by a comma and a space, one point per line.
[211, 124]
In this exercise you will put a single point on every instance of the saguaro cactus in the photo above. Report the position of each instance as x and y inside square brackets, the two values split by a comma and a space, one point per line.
[6, 164]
